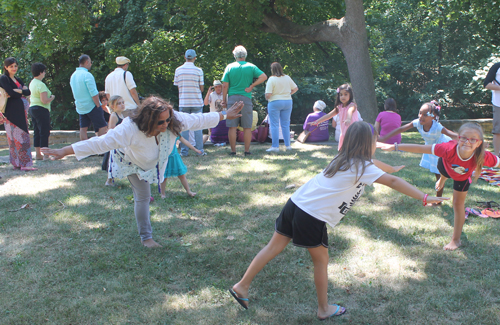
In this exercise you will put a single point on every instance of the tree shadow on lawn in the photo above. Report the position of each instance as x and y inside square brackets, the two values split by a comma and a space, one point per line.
[207, 248]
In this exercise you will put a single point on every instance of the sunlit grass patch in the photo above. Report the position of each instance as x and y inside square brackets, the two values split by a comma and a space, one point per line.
[73, 255]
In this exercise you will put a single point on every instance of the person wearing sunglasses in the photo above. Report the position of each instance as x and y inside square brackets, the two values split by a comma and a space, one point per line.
[140, 147]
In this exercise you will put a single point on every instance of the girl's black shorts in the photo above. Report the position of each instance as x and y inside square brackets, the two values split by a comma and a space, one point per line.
[459, 186]
[305, 230]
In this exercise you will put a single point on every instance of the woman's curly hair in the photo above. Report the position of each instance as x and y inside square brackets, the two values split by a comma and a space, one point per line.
[148, 114]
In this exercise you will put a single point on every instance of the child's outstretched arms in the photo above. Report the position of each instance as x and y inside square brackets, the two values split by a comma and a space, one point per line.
[189, 145]
[404, 187]
[352, 109]
[449, 133]
[325, 117]
[399, 130]
[387, 168]
[416, 148]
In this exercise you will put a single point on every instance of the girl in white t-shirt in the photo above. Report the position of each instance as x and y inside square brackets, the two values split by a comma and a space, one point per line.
[326, 198]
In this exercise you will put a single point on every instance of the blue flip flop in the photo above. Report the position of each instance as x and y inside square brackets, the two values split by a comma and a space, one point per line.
[238, 299]
[335, 313]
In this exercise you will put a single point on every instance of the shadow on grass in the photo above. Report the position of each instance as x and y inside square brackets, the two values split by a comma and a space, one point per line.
[83, 262]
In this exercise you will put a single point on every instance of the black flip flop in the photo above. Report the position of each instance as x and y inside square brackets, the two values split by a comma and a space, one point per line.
[489, 204]
[238, 299]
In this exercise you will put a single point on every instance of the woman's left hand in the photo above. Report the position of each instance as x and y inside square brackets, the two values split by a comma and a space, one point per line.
[233, 111]
[347, 121]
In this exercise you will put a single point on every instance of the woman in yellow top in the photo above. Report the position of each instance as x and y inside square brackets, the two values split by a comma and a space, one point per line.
[279, 91]
[41, 97]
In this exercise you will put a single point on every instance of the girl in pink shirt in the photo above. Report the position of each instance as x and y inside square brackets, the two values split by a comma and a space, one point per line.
[345, 107]
[388, 121]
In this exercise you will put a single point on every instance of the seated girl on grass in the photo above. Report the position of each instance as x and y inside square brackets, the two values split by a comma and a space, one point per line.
[327, 198]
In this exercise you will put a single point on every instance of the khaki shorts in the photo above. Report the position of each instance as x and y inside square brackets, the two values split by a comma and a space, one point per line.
[246, 113]
[496, 120]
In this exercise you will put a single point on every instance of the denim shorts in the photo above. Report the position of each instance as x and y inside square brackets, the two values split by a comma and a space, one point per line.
[95, 116]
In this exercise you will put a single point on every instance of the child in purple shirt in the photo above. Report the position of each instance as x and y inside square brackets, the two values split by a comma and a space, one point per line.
[388, 121]
[321, 131]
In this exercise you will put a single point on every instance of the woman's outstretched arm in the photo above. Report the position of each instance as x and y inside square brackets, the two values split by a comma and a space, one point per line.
[399, 130]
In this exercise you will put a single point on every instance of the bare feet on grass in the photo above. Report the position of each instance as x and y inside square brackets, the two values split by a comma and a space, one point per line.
[440, 184]
[109, 182]
[322, 315]
[452, 245]
[150, 243]
[241, 291]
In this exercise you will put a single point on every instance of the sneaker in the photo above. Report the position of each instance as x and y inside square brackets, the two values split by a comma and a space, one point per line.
[289, 148]
[247, 153]
[232, 153]
[184, 155]
[203, 153]
[273, 149]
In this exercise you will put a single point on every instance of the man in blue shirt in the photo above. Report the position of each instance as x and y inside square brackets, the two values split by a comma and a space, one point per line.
[87, 98]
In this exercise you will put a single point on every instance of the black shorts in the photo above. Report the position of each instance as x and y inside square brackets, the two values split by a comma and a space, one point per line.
[305, 230]
[459, 186]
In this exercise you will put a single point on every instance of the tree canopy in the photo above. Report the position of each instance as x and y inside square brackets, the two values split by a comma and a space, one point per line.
[419, 50]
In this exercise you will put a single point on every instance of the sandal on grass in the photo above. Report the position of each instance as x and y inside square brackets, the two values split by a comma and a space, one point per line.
[475, 212]
[342, 311]
[238, 299]
[491, 213]
[489, 204]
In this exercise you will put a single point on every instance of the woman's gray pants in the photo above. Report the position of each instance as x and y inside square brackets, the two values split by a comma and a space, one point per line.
[142, 195]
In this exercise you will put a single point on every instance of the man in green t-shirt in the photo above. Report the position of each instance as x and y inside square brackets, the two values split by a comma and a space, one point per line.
[238, 82]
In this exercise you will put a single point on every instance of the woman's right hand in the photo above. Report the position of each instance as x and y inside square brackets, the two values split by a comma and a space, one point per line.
[18, 91]
[56, 154]
[233, 111]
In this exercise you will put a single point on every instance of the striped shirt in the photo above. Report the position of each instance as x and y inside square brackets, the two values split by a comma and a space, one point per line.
[189, 78]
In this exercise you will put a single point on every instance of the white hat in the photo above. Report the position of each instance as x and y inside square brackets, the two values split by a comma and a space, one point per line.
[320, 105]
[217, 83]
[121, 60]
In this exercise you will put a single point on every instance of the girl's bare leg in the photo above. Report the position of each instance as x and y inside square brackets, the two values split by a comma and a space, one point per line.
[459, 211]
[184, 183]
[320, 258]
[440, 192]
[162, 188]
[271, 250]
[440, 184]
[109, 182]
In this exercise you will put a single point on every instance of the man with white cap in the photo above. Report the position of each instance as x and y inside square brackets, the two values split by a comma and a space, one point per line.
[189, 79]
[121, 83]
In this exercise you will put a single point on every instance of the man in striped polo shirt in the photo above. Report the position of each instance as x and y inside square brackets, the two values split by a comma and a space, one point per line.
[189, 79]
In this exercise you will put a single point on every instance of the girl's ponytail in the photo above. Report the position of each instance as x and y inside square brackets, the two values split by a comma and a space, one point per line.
[434, 108]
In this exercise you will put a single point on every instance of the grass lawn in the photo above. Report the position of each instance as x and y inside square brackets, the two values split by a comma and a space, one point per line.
[72, 255]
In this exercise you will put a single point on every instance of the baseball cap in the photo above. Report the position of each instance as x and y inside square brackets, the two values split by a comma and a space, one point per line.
[190, 54]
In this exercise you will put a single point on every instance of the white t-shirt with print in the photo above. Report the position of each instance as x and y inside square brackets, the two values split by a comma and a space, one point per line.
[329, 199]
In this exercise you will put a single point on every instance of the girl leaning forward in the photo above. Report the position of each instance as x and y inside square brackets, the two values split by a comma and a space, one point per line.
[326, 199]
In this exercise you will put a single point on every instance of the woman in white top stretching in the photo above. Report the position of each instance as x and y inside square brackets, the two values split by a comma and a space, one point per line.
[140, 148]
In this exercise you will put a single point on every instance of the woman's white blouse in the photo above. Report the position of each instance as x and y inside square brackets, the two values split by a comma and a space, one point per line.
[140, 154]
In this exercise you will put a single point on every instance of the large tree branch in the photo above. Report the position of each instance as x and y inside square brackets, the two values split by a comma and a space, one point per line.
[326, 31]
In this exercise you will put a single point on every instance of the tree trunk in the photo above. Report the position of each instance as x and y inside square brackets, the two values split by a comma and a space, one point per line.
[349, 33]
